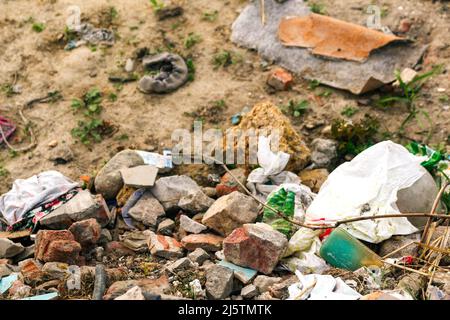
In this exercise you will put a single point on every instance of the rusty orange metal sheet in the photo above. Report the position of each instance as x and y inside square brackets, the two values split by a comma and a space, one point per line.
[333, 38]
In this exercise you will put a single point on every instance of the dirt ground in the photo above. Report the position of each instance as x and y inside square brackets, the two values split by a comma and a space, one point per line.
[38, 63]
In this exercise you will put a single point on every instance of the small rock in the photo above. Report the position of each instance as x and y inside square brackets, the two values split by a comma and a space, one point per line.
[129, 65]
[31, 271]
[5, 270]
[169, 11]
[257, 246]
[219, 282]
[324, 153]
[19, 290]
[198, 256]
[404, 25]
[210, 192]
[155, 286]
[136, 240]
[166, 227]
[191, 226]
[57, 246]
[27, 253]
[135, 293]
[314, 178]
[61, 154]
[249, 291]
[118, 249]
[280, 290]
[219, 255]
[105, 237]
[48, 285]
[140, 176]
[265, 296]
[206, 241]
[52, 144]
[230, 212]
[82, 206]
[86, 232]
[263, 283]
[228, 184]
[147, 210]
[396, 242]
[9, 249]
[180, 264]
[174, 192]
[108, 181]
[164, 246]
[280, 79]
[56, 270]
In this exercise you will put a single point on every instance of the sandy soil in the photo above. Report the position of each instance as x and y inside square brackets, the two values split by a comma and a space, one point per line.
[39, 64]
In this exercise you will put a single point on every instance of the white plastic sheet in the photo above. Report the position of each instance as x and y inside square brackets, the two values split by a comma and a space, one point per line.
[28, 193]
[321, 287]
[366, 186]
[271, 170]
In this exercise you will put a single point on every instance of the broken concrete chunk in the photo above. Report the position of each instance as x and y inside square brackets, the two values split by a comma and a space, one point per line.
[324, 153]
[180, 264]
[166, 227]
[191, 226]
[195, 202]
[9, 249]
[257, 246]
[228, 184]
[198, 256]
[86, 232]
[155, 286]
[139, 176]
[263, 283]
[249, 291]
[82, 206]
[164, 246]
[206, 241]
[108, 181]
[135, 293]
[170, 190]
[147, 210]
[136, 240]
[219, 282]
[354, 76]
[56, 270]
[230, 212]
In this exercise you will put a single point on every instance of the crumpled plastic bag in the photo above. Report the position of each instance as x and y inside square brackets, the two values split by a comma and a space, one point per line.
[321, 287]
[367, 186]
[26, 194]
[302, 252]
[262, 181]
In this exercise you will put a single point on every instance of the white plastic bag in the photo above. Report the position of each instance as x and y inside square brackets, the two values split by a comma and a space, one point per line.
[366, 186]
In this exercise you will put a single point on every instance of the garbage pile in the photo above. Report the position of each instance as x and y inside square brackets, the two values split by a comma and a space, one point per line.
[139, 231]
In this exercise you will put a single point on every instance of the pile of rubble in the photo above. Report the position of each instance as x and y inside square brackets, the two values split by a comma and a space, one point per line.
[137, 231]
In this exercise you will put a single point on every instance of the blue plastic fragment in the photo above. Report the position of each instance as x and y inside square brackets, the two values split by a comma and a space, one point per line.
[46, 296]
[6, 282]
[243, 274]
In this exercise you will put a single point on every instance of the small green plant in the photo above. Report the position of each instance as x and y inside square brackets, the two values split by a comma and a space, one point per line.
[191, 40]
[38, 26]
[349, 111]
[112, 97]
[156, 5]
[409, 92]
[313, 84]
[7, 89]
[444, 99]
[113, 14]
[318, 8]
[296, 108]
[210, 16]
[3, 172]
[93, 128]
[326, 93]
[353, 138]
[224, 59]
[191, 69]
